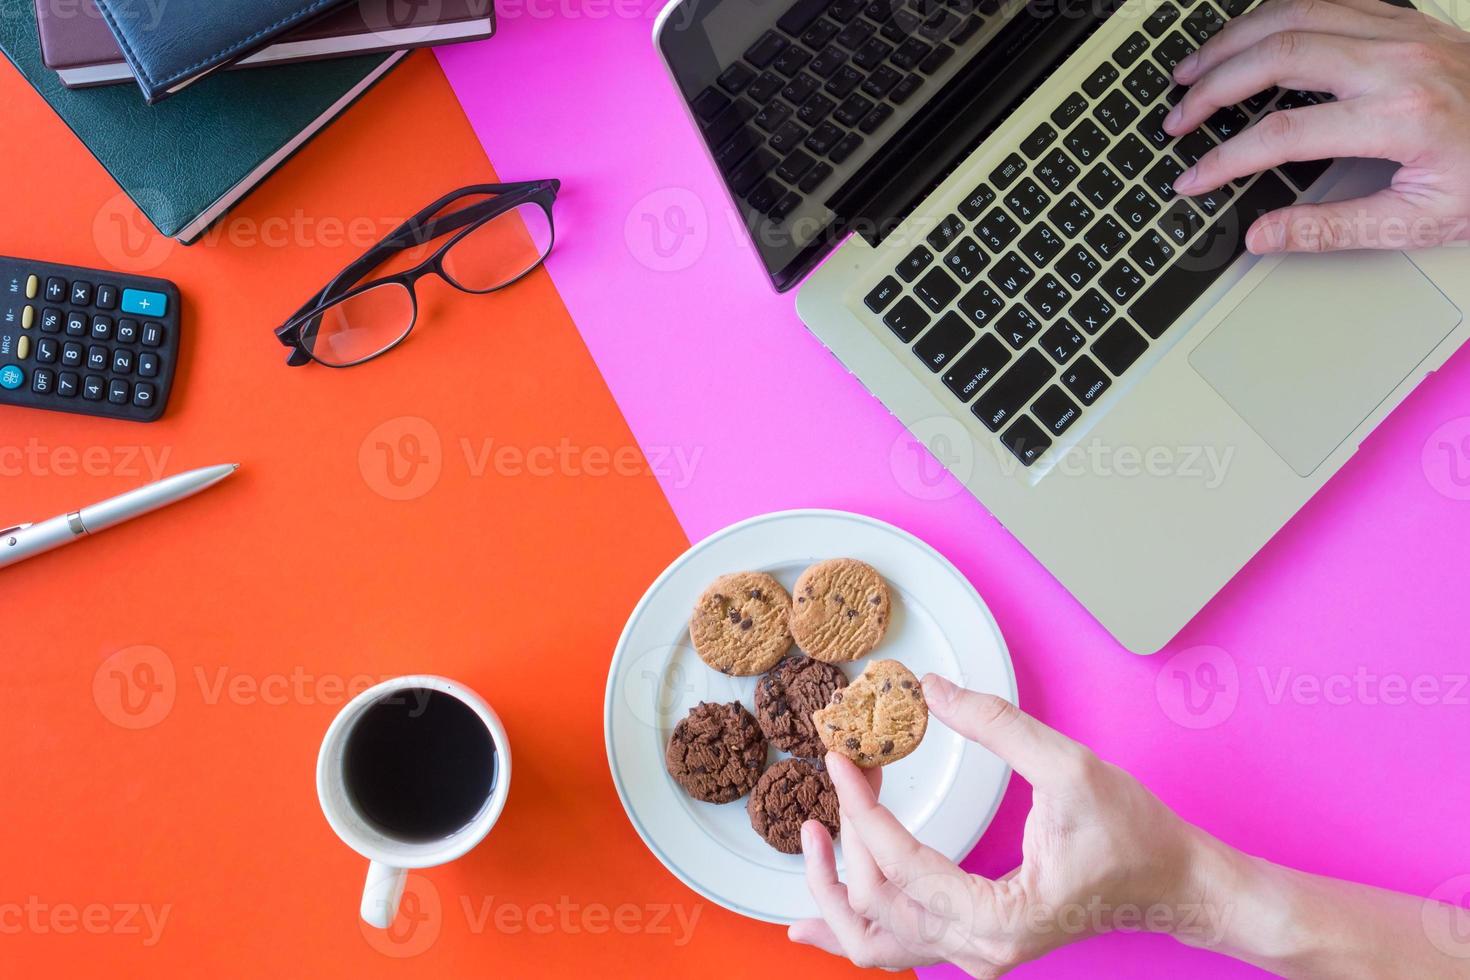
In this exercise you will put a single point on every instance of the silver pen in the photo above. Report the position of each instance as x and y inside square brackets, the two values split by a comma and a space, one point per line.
[26, 540]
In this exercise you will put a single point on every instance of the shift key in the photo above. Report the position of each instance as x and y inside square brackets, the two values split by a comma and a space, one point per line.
[1012, 390]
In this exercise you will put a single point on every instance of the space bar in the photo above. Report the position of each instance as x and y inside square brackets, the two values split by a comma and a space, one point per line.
[1158, 306]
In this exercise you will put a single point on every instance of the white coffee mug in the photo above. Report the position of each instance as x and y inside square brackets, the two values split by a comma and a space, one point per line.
[391, 858]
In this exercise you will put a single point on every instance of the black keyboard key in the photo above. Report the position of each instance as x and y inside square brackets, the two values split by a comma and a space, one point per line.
[1009, 393]
[767, 86]
[936, 289]
[106, 298]
[43, 381]
[882, 294]
[843, 11]
[795, 166]
[1092, 311]
[947, 233]
[981, 304]
[72, 354]
[764, 195]
[1056, 171]
[869, 124]
[943, 342]
[820, 34]
[872, 54]
[855, 34]
[825, 64]
[81, 293]
[1100, 186]
[1192, 146]
[845, 148]
[1118, 347]
[1158, 22]
[47, 351]
[1181, 223]
[881, 81]
[1137, 207]
[823, 138]
[771, 117]
[765, 50]
[67, 384]
[908, 54]
[1234, 8]
[1108, 238]
[1204, 262]
[1130, 156]
[782, 209]
[801, 15]
[122, 361]
[1041, 137]
[1027, 200]
[118, 391]
[1151, 126]
[1040, 245]
[1304, 173]
[56, 290]
[732, 79]
[51, 321]
[914, 263]
[1085, 380]
[904, 89]
[1086, 141]
[1062, 341]
[1121, 283]
[101, 327]
[1172, 50]
[935, 59]
[800, 88]
[1070, 110]
[966, 30]
[1056, 411]
[1026, 440]
[1071, 215]
[1258, 102]
[980, 199]
[143, 394]
[1146, 83]
[816, 109]
[901, 26]
[1018, 326]
[1151, 252]
[1078, 267]
[844, 81]
[1227, 121]
[751, 170]
[906, 319]
[1011, 274]
[787, 137]
[814, 177]
[966, 260]
[996, 230]
[979, 365]
[1010, 168]
[1048, 296]
[1098, 82]
[1116, 112]
[1214, 201]
[1131, 49]
[1161, 176]
[1204, 23]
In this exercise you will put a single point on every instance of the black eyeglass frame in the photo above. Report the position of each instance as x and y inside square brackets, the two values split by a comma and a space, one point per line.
[421, 228]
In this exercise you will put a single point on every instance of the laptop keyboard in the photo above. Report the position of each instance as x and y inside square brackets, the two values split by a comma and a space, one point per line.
[1057, 273]
[807, 94]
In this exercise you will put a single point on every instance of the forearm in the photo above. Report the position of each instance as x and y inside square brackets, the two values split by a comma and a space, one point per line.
[1306, 926]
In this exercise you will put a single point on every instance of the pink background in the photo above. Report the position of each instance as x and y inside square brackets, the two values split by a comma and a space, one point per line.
[706, 361]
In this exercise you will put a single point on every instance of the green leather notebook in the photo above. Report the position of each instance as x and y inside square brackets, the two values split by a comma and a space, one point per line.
[186, 161]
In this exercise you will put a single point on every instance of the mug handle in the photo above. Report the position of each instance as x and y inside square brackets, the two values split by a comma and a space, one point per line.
[381, 894]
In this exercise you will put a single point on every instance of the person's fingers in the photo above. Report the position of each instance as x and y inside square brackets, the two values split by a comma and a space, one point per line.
[921, 872]
[846, 925]
[815, 932]
[1387, 219]
[1315, 62]
[1319, 132]
[1317, 16]
[1042, 755]
[865, 883]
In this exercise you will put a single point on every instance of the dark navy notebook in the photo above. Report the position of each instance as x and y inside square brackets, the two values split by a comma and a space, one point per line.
[168, 45]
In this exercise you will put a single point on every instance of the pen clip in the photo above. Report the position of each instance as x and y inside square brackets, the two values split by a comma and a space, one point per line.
[16, 527]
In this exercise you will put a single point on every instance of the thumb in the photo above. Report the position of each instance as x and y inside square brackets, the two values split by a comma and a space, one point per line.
[1042, 755]
[1387, 219]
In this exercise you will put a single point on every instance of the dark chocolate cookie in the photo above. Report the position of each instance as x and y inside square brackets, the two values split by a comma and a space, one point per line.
[716, 752]
[785, 699]
[790, 793]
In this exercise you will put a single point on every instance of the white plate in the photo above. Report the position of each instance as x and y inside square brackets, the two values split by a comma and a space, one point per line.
[946, 792]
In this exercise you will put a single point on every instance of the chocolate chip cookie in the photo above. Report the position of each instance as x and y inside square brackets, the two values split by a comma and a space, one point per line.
[785, 699]
[740, 624]
[878, 718]
[841, 611]
[790, 793]
[716, 752]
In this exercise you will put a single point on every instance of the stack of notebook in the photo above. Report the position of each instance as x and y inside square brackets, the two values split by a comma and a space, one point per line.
[137, 83]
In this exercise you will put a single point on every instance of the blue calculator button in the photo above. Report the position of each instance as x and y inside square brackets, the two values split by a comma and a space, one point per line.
[143, 303]
[11, 377]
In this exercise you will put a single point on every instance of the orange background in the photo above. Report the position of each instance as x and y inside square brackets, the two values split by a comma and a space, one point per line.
[300, 575]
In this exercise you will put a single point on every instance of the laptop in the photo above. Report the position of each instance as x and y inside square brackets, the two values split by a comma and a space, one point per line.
[974, 200]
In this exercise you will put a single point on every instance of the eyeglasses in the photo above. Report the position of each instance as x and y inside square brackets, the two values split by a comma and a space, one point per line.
[502, 232]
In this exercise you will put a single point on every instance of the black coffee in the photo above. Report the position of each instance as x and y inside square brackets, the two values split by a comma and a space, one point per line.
[419, 764]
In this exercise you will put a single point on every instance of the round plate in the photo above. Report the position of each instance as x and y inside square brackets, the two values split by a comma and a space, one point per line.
[945, 792]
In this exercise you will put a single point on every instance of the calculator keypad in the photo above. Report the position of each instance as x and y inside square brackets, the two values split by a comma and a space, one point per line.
[86, 341]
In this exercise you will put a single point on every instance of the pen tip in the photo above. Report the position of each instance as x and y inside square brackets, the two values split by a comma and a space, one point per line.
[234, 466]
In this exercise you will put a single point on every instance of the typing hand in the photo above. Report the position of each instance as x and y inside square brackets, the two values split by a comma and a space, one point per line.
[1099, 852]
[1402, 82]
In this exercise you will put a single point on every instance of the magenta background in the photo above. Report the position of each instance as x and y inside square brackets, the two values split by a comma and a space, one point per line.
[1373, 574]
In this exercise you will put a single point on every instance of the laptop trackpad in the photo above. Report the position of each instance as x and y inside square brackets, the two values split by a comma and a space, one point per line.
[1319, 343]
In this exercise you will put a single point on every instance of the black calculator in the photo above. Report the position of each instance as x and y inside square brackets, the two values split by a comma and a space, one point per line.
[86, 341]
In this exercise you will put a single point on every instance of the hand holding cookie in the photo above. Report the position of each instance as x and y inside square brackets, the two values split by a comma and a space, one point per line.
[1094, 837]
